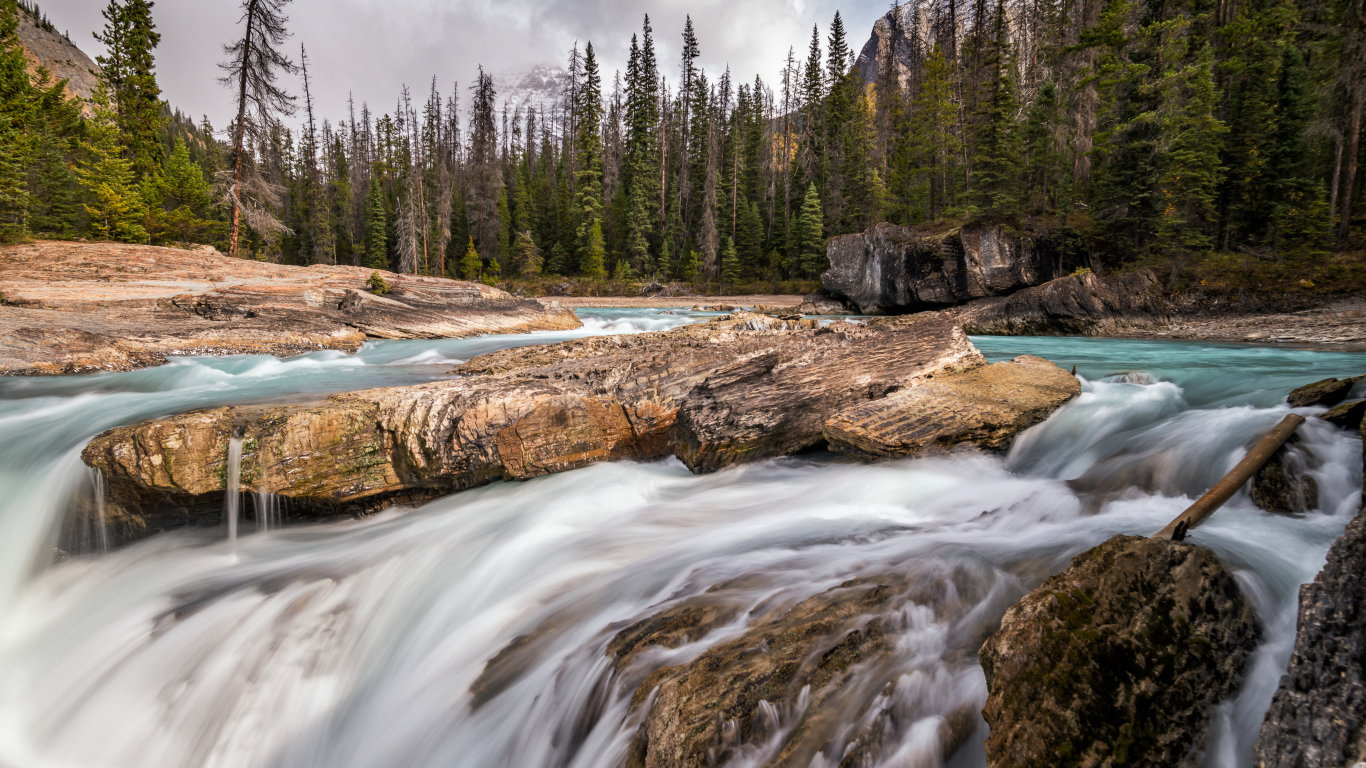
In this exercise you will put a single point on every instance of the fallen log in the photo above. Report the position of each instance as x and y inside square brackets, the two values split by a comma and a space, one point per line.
[1223, 490]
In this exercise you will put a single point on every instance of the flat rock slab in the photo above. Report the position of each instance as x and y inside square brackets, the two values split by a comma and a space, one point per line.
[79, 307]
[741, 388]
[1117, 661]
[986, 406]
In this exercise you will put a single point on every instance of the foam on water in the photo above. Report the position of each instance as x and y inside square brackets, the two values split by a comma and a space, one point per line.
[356, 643]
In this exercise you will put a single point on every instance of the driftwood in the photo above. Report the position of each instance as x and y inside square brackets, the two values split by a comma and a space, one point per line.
[1222, 491]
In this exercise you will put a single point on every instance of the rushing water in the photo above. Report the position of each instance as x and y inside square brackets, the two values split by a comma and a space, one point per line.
[356, 643]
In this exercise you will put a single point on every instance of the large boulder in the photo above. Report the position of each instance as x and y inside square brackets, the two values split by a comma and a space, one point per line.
[1083, 304]
[1318, 715]
[891, 269]
[1117, 661]
[986, 406]
[78, 307]
[785, 692]
[1328, 392]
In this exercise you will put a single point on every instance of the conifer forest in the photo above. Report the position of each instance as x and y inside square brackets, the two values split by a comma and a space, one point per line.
[1147, 132]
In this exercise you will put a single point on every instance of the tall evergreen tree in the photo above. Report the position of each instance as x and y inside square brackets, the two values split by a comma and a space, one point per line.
[128, 69]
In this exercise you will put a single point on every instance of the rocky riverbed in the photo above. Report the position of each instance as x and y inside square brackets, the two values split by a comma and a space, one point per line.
[741, 388]
[80, 307]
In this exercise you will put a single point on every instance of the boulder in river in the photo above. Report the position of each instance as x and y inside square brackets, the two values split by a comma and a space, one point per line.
[1283, 485]
[1318, 714]
[985, 406]
[1117, 661]
[78, 307]
[1348, 415]
[1083, 304]
[1327, 393]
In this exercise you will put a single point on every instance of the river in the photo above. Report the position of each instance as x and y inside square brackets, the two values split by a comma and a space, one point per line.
[355, 643]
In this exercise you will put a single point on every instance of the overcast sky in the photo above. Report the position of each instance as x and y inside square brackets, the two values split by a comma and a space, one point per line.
[372, 47]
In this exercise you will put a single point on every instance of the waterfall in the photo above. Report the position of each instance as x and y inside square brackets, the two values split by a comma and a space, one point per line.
[267, 504]
[234, 478]
[101, 524]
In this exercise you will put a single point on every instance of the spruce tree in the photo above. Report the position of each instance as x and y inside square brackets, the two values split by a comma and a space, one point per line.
[1191, 168]
[809, 235]
[730, 262]
[186, 195]
[527, 256]
[116, 207]
[376, 228]
[996, 168]
[595, 256]
[588, 152]
[470, 265]
[16, 113]
[129, 71]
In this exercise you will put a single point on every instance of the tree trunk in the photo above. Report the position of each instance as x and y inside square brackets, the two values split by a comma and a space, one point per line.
[1353, 150]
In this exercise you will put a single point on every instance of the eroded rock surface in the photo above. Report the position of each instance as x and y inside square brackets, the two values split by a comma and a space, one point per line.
[742, 388]
[986, 406]
[78, 307]
[1318, 715]
[785, 691]
[1117, 661]
[891, 269]
[1078, 305]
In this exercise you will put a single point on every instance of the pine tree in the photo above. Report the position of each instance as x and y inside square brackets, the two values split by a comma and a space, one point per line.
[16, 112]
[730, 262]
[376, 228]
[1191, 170]
[595, 256]
[129, 71]
[470, 264]
[527, 256]
[504, 228]
[809, 237]
[186, 195]
[588, 152]
[116, 207]
[996, 169]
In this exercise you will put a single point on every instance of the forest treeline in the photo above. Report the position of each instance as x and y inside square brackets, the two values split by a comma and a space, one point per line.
[1143, 129]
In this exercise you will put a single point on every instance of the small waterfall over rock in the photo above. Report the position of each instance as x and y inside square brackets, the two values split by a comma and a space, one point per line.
[233, 502]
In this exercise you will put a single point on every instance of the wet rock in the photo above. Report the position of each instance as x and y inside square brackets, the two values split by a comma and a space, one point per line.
[1318, 714]
[1328, 392]
[784, 692]
[821, 304]
[986, 406]
[1347, 415]
[891, 269]
[741, 388]
[1117, 661]
[1283, 485]
[1078, 305]
[78, 307]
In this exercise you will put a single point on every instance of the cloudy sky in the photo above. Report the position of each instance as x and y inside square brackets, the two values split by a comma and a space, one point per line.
[372, 47]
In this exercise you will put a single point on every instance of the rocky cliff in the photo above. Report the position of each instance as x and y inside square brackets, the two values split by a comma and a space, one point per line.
[892, 270]
[742, 388]
[1084, 304]
[76, 307]
[48, 49]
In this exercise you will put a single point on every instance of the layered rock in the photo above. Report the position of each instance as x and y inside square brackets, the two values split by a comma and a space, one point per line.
[1318, 715]
[986, 406]
[1119, 660]
[1084, 304]
[77, 307]
[785, 691]
[891, 269]
[742, 388]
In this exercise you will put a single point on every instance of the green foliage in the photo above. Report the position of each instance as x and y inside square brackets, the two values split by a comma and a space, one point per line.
[185, 196]
[117, 210]
[128, 71]
[810, 242]
[526, 256]
[595, 255]
[470, 265]
[730, 262]
[376, 229]
[377, 284]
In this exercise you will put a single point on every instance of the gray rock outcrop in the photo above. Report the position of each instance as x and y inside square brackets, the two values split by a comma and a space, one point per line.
[892, 270]
[1083, 304]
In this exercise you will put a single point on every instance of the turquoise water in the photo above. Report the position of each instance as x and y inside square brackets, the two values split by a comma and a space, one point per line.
[355, 643]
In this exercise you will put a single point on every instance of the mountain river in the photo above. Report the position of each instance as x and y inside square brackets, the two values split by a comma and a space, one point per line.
[355, 643]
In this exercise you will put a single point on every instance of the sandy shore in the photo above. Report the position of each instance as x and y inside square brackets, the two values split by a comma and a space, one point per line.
[671, 301]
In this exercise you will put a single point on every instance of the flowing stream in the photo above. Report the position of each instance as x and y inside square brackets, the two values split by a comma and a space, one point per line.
[356, 643]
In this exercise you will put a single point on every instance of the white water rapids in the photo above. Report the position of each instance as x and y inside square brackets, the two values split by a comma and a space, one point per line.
[356, 643]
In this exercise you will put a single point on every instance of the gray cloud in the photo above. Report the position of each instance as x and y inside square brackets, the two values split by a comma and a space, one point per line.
[370, 48]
